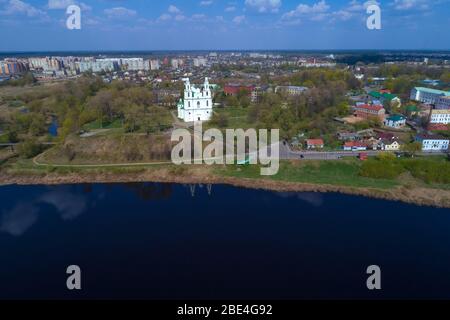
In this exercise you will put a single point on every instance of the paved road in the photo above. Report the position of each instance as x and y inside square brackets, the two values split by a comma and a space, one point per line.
[287, 153]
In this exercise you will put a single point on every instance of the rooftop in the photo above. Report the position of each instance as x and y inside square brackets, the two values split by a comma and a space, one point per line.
[435, 91]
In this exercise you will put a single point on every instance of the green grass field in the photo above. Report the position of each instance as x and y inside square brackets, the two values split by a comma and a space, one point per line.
[343, 173]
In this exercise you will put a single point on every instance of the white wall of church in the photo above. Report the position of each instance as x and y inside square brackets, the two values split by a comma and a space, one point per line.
[197, 103]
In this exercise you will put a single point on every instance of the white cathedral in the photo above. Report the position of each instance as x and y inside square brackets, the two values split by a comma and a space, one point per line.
[197, 103]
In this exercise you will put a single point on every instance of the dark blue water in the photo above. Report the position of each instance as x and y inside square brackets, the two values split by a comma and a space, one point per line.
[158, 241]
[53, 128]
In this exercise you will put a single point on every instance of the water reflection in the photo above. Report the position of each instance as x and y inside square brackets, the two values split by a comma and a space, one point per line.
[23, 215]
[313, 198]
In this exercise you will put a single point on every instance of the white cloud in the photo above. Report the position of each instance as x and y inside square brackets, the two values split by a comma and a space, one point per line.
[120, 13]
[206, 3]
[13, 7]
[180, 17]
[63, 4]
[230, 9]
[315, 12]
[263, 6]
[198, 16]
[239, 19]
[174, 10]
[410, 4]
[164, 17]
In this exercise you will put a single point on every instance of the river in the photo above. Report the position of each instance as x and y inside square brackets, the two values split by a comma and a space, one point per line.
[169, 241]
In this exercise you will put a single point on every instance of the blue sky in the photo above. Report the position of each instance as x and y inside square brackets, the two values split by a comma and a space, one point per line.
[35, 25]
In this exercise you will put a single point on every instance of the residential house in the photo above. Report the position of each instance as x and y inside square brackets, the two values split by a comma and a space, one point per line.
[395, 121]
[432, 142]
[390, 145]
[314, 144]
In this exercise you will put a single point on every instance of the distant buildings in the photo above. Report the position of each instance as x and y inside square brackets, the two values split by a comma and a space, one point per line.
[235, 89]
[197, 102]
[200, 62]
[98, 65]
[432, 142]
[427, 95]
[176, 63]
[368, 111]
[291, 90]
[133, 64]
[395, 121]
[154, 65]
[11, 67]
[46, 63]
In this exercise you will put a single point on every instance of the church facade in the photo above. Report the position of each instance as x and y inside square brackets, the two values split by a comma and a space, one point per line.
[196, 104]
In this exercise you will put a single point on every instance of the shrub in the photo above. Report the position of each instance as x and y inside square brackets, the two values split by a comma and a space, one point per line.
[381, 169]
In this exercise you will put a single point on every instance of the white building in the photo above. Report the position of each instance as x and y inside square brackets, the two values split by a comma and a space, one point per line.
[443, 103]
[433, 143]
[98, 65]
[395, 121]
[197, 103]
[133, 64]
[154, 65]
[427, 95]
[200, 62]
[440, 116]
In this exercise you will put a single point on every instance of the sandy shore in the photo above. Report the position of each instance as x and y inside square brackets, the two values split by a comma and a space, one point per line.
[418, 196]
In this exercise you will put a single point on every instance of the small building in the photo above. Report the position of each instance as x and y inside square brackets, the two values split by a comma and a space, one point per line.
[348, 136]
[355, 146]
[368, 111]
[395, 121]
[385, 96]
[432, 142]
[291, 90]
[314, 144]
[390, 145]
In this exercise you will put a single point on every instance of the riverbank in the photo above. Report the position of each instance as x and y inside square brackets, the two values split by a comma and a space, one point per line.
[414, 194]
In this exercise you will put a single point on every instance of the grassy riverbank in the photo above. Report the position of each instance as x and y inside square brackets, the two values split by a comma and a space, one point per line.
[342, 176]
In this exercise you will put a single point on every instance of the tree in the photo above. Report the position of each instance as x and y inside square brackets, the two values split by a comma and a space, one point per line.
[412, 148]
[29, 148]
[220, 120]
[37, 126]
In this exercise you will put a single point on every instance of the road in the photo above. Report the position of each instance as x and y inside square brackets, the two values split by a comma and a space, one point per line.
[286, 153]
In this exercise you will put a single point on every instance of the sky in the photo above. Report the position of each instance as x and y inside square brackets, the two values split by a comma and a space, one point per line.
[40, 25]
